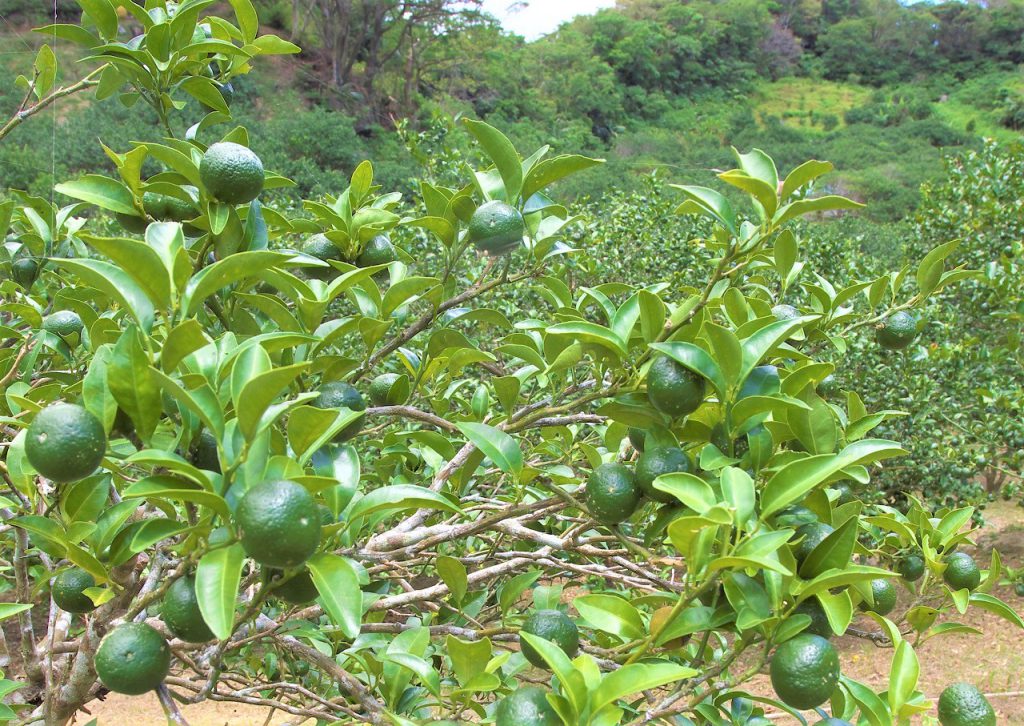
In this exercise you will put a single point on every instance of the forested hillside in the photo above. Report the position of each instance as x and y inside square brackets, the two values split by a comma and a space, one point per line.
[880, 88]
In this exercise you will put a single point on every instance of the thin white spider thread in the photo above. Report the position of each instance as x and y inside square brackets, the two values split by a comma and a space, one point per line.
[53, 147]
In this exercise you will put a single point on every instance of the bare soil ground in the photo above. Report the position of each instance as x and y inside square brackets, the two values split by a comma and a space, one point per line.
[993, 661]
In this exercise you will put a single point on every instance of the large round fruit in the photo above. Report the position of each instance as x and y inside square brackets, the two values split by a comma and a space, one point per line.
[298, 590]
[378, 251]
[961, 704]
[321, 248]
[552, 625]
[898, 331]
[911, 567]
[805, 671]
[961, 571]
[65, 442]
[339, 394]
[819, 620]
[180, 611]
[672, 388]
[782, 311]
[612, 493]
[383, 391]
[813, 534]
[496, 228]
[25, 270]
[68, 591]
[133, 658]
[231, 173]
[279, 522]
[655, 462]
[204, 452]
[526, 707]
[65, 324]
[884, 594]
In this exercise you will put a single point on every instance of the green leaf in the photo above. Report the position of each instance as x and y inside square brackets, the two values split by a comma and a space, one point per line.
[10, 609]
[810, 206]
[248, 21]
[996, 606]
[401, 497]
[574, 687]
[697, 360]
[803, 175]
[634, 678]
[497, 445]
[218, 576]
[469, 658]
[797, 478]
[708, 202]
[115, 283]
[453, 573]
[102, 191]
[691, 490]
[228, 271]
[504, 155]
[184, 339]
[161, 486]
[591, 333]
[834, 552]
[738, 490]
[611, 614]
[132, 384]
[903, 676]
[139, 536]
[141, 262]
[257, 395]
[551, 170]
[338, 584]
[103, 14]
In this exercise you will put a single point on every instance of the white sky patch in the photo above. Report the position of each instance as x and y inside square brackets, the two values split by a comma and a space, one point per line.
[538, 17]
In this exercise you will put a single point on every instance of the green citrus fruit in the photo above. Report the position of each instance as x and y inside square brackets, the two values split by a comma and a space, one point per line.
[378, 251]
[795, 515]
[653, 463]
[204, 452]
[279, 523]
[819, 621]
[526, 707]
[298, 590]
[785, 312]
[178, 210]
[637, 438]
[155, 204]
[612, 493]
[813, 534]
[133, 658]
[68, 591]
[845, 492]
[25, 270]
[911, 567]
[65, 324]
[496, 228]
[321, 248]
[131, 222]
[65, 442]
[180, 611]
[762, 381]
[1018, 589]
[384, 392]
[673, 389]
[552, 625]
[961, 704]
[804, 671]
[828, 386]
[884, 594]
[338, 394]
[231, 173]
[898, 331]
[961, 571]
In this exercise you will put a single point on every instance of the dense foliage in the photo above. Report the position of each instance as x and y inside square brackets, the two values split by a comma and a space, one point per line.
[466, 452]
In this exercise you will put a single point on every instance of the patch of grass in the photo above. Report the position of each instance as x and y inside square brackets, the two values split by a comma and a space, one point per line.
[806, 102]
[978, 103]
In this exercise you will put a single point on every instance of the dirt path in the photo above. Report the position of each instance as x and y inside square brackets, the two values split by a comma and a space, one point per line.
[993, 661]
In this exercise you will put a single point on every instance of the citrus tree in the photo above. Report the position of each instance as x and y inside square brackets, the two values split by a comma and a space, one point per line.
[376, 460]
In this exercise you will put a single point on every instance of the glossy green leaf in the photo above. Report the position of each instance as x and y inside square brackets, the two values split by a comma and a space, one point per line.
[218, 576]
[498, 446]
[338, 584]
